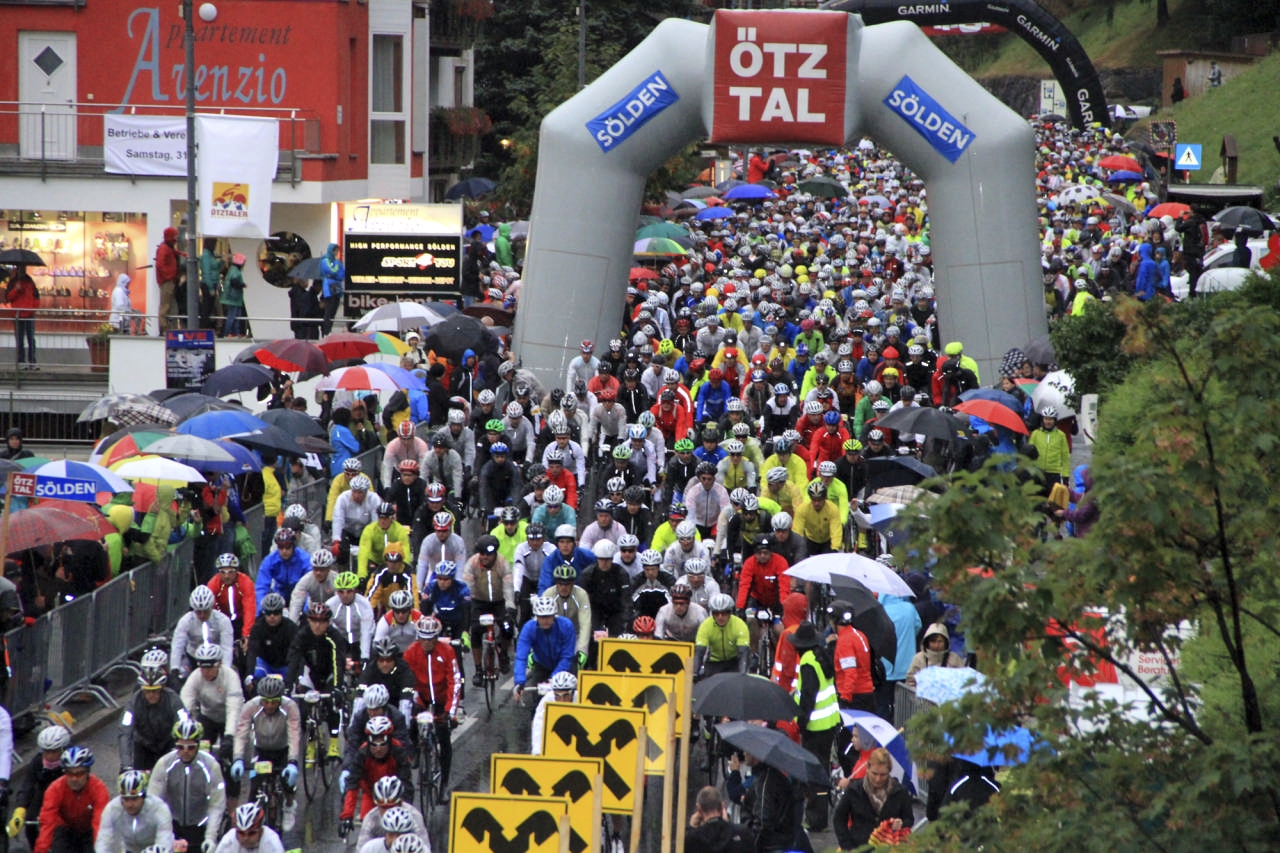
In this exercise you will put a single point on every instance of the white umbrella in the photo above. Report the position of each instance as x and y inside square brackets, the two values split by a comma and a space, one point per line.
[159, 468]
[1053, 390]
[874, 576]
[1077, 194]
[358, 379]
[192, 448]
[395, 316]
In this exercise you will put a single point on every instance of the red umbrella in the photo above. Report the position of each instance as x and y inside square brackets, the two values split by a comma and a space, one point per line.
[993, 413]
[42, 525]
[641, 273]
[293, 356]
[85, 511]
[341, 345]
[1120, 163]
[1169, 208]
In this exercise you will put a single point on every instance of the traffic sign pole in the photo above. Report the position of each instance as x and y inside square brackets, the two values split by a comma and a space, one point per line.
[4, 514]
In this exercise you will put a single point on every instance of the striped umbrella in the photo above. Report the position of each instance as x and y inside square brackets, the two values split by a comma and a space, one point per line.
[388, 344]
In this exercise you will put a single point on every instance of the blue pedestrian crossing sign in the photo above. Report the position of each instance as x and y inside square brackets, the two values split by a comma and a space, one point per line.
[1186, 157]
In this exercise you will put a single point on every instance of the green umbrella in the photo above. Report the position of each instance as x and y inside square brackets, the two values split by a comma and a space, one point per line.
[823, 187]
[667, 230]
[658, 247]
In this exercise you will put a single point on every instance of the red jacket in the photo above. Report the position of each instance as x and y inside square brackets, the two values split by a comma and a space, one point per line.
[853, 663]
[367, 770]
[795, 609]
[78, 811]
[435, 677]
[761, 582]
[567, 481]
[237, 601]
[673, 425]
[826, 446]
[167, 257]
[23, 296]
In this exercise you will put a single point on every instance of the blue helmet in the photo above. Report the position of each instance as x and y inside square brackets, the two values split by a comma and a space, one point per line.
[446, 569]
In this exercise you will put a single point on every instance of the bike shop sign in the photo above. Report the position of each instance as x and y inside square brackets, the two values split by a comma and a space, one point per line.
[402, 251]
[62, 488]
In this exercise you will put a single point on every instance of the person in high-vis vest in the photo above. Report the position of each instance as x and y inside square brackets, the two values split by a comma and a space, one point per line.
[818, 712]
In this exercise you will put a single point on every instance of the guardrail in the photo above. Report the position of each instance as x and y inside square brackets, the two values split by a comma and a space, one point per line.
[906, 704]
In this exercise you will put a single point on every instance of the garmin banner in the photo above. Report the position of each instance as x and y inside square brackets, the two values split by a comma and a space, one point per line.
[145, 145]
[236, 162]
[1086, 102]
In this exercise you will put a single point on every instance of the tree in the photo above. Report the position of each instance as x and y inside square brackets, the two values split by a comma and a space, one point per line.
[1186, 471]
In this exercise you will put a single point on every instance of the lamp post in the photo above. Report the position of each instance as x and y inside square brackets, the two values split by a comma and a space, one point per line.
[207, 11]
[582, 45]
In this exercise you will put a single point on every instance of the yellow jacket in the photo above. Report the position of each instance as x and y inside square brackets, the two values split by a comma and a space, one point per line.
[336, 487]
[816, 525]
[374, 540]
[271, 493]
[797, 473]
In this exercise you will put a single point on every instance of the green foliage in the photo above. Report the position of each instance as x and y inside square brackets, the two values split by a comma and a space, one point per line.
[1186, 474]
[1088, 347]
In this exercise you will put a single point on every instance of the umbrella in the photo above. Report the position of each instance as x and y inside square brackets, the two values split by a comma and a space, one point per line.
[187, 406]
[44, 525]
[159, 468]
[876, 577]
[897, 495]
[233, 378]
[714, 213]
[388, 344]
[459, 333]
[398, 316]
[732, 183]
[32, 462]
[1125, 177]
[143, 413]
[923, 420]
[669, 230]
[497, 315]
[1169, 208]
[1120, 163]
[470, 188]
[823, 187]
[358, 379]
[307, 269]
[103, 479]
[868, 616]
[20, 257]
[1040, 351]
[86, 511]
[882, 732]
[1077, 194]
[293, 422]
[700, 192]
[403, 378]
[1004, 398]
[272, 440]
[289, 355]
[311, 444]
[775, 749]
[133, 444]
[1244, 217]
[896, 471]
[749, 192]
[109, 405]
[520, 230]
[878, 201]
[993, 413]
[190, 449]
[1006, 748]
[1119, 202]
[243, 460]
[102, 444]
[221, 424]
[742, 697]
[938, 684]
[1053, 390]
[641, 274]
[658, 247]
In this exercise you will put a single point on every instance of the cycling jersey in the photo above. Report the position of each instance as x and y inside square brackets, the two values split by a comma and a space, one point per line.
[436, 676]
[403, 634]
[78, 812]
[354, 622]
[309, 590]
[374, 541]
[722, 643]
[551, 650]
[279, 575]
[121, 832]
[324, 658]
[351, 518]
[671, 626]
[371, 827]
[219, 700]
[237, 600]
[269, 843]
[192, 631]
[449, 605]
[271, 732]
[576, 607]
[194, 790]
[146, 729]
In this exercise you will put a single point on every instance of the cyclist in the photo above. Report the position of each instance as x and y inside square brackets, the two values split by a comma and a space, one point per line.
[352, 615]
[295, 518]
[394, 576]
[561, 477]
[274, 722]
[510, 533]
[406, 445]
[664, 535]
[353, 511]
[761, 583]
[527, 566]
[378, 536]
[722, 641]
[564, 688]
[396, 625]
[461, 438]
[488, 576]
[270, 639]
[407, 844]
[680, 618]
[546, 646]
[213, 696]
[651, 590]
[389, 671]
[379, 756]
[605, 528]
[235, 597]
[627, 467]
[285, 566]
[688, 546]
[375, 701]
[316, 585]
[745, 525]
[816, 520]
[424, 522]
[51, 742]
[408, 493]
[248, 834]
[438, 682]
[643, 628]
[190, 782]
[500, 481]
[340, 484]
[791, 546]
[573, 603]
[134, 821]
[201, 624]
[442, 545]
[449, 600]
[681, 468]
[836, 491]
[443, 465]
[567, 551]
[571, 455]
[705, 498]
[146, 727]
[317, 659]
[627, 555]
[73, 805]
[608, 589]
[392, 815]
[704, 588]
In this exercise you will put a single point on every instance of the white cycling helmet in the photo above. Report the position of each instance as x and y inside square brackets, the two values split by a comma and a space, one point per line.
[202, 598]
[781, 521]
[720, 603]
[543, 606]
[53, 738]
[396, 820]
[686, 530]
[604, 549]
[376, 696]
[564, 681]
[553, 495]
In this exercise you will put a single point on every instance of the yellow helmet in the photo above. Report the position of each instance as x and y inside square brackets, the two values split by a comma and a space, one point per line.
[666, 346]
[801, 270]
[760, 273]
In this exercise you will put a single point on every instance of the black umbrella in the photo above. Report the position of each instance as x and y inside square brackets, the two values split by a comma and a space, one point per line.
[20, 257]
[742, 697]
[162, 394]
[1248, 218]
[458, 333]
[1041, 352]
[470, 188]
[314, 444]
[896, 471]
[775, 749]
[295, 423]
[924, 420]
[307, 269]
[725, 186]
[868, 616]
[272, 440]
[235, 377]
[187, 406]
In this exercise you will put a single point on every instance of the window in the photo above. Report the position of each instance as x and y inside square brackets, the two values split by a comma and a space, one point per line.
[460, 86]
[386, 116]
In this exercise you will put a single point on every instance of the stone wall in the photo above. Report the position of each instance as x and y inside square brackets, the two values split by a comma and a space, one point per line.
[1122, 85]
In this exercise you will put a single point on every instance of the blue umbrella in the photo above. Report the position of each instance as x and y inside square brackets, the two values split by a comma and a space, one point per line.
[470, 188]
[714, 213]
[1004, 749]
[404, 378]
[246, 460]
[103, 479]
[1124, 177]
[749, 192]
[1004, 398]
[214, 425]
[486, 232]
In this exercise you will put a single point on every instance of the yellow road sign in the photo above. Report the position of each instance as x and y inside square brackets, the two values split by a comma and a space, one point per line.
[544, 776]
[653, 694]
[500, 823]
[655, 657]
[611, 734]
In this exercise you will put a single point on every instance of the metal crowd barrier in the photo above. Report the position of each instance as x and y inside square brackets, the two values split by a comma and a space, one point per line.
[906, 704]
[371, 464]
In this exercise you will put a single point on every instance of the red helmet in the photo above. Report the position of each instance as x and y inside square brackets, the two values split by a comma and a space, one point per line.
[408, 465]
[436, 492]
[405, 430]
[587, 347]
[644, 625]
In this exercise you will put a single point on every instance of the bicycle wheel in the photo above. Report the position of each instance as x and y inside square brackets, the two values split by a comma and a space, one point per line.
[490, 667]
[312, 767]
[426, 776]
[274, 802]
[323, 759]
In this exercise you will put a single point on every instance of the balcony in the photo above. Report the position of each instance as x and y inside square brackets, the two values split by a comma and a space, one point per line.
[455, 134]
[456, 24]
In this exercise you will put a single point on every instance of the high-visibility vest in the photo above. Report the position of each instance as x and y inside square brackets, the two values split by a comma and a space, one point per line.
[826, 709]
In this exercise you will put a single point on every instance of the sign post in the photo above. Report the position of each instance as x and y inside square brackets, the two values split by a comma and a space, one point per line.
[682, 801]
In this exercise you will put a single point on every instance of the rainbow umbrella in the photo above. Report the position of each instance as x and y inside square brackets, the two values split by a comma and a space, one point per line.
[388, 344]
[133, 444]
[658, 247]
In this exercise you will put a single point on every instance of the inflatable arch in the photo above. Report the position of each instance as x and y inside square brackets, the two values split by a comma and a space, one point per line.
[1028, 19]
[807, 77]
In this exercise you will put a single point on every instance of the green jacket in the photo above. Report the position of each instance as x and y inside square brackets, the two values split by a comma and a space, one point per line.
[233, 288]
[210, 271]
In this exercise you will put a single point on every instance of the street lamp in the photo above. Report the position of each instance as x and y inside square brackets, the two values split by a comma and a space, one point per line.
[208, 12]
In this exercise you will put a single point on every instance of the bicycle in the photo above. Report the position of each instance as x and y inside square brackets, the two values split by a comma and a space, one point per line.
[429, 772]
[767, 643]
[315, 738]
[489, 666]
[267, 788]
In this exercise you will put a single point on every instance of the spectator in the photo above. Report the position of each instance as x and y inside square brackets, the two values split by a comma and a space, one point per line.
[233, 297]
[22, 296]
[168, 271]
[332, 284]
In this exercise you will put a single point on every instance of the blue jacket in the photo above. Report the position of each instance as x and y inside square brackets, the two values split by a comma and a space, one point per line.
[449, 606]
[551, 649]
[334, 272]
[582, 560]
[712, 397]
[1148, 277]
[344, 447]
[906, 620]
[280, 575]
